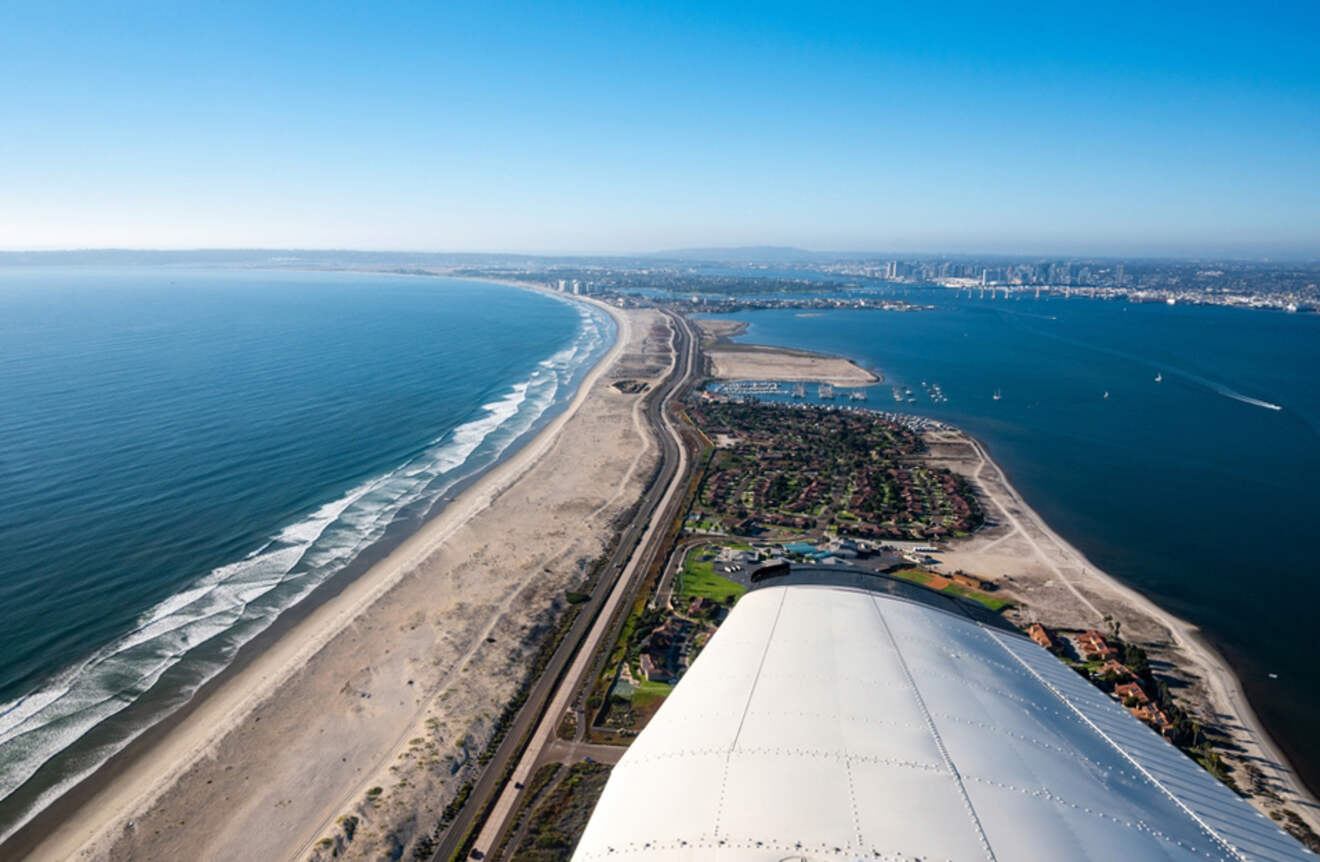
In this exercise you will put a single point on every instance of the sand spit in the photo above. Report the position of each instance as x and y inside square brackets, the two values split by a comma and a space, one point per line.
[1061, 588]
[352, 732]
[729, 361]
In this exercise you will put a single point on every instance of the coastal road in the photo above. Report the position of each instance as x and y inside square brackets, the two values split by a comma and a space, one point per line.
[553, 691]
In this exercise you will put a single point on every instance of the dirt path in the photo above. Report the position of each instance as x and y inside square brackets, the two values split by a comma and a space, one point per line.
[1060, 588]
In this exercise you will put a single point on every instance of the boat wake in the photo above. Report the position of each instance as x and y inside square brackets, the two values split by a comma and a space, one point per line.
[1223, 390]
[1247, 399]
[196, 632]
[1213, 386]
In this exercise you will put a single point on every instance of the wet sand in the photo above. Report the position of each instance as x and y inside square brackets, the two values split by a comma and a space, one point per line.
[1060, 588]
[354, 728]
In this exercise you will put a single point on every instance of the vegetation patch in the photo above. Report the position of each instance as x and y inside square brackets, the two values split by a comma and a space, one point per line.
[698, 580]
[557, 824]
[941, 584]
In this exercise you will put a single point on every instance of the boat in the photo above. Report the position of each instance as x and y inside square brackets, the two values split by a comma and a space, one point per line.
[1106, 393]
[1159, 377]
[997, 395]
[800, 390]
[825, 390]
[898, 394]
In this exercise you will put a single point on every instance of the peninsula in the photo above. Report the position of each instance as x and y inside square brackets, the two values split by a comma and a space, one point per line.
[735, 362]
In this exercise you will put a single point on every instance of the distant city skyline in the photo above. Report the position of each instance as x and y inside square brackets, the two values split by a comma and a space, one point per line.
[1127, 131]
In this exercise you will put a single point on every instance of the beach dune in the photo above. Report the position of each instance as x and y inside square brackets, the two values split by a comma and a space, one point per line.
[351, 733]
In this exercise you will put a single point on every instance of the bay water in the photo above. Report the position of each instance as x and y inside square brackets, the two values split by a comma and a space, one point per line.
[1200, 489]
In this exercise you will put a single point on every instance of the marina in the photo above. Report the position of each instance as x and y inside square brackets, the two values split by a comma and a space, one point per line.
[745, 388]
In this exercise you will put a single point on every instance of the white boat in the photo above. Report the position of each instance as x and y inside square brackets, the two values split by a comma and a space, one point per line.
[997, 395]
[1106, 393]
[1159, 378]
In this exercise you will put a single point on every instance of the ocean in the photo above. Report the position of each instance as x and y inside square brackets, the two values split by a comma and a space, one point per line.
[185, 454]
[1198, 489]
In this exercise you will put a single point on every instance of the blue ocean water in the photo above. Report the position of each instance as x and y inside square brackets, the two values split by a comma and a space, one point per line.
[186, 453]
[1199, 490]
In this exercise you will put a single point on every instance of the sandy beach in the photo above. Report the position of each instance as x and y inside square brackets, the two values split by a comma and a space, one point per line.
[732, 362]
[350, 734]
[1060, 588]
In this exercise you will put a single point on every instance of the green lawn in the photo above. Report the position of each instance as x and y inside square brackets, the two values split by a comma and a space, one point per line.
[698, 580]
[980, 598]
[923, 578]
[914, 575]
[646, 693]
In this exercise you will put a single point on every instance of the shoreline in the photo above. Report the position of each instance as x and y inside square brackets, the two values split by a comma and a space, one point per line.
[733, 361]
[149, 765]
[1224, 696]
[1191, 653]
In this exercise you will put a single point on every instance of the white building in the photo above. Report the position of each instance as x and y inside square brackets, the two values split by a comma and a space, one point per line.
[841, 716]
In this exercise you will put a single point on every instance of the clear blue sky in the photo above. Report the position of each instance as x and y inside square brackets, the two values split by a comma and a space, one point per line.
[1064, 127]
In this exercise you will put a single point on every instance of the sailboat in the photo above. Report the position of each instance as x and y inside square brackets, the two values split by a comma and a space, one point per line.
[1159, 377]
[997, 395]
[1106, 393]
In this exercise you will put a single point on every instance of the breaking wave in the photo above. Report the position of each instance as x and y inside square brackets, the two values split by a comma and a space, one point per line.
[201, 628]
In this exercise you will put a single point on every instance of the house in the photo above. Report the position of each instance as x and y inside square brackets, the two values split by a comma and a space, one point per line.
[1154, 716]
[707, 609]
[651, 671]
[1115, 667]
[1040, 635]
[1131, 690]
[1095, 647]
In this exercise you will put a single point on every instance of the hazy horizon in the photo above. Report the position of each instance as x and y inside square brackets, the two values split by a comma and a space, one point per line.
[728, 253]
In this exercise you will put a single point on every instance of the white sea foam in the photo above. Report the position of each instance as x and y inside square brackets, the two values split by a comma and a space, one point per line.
[1245, 399]
[229, 605]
